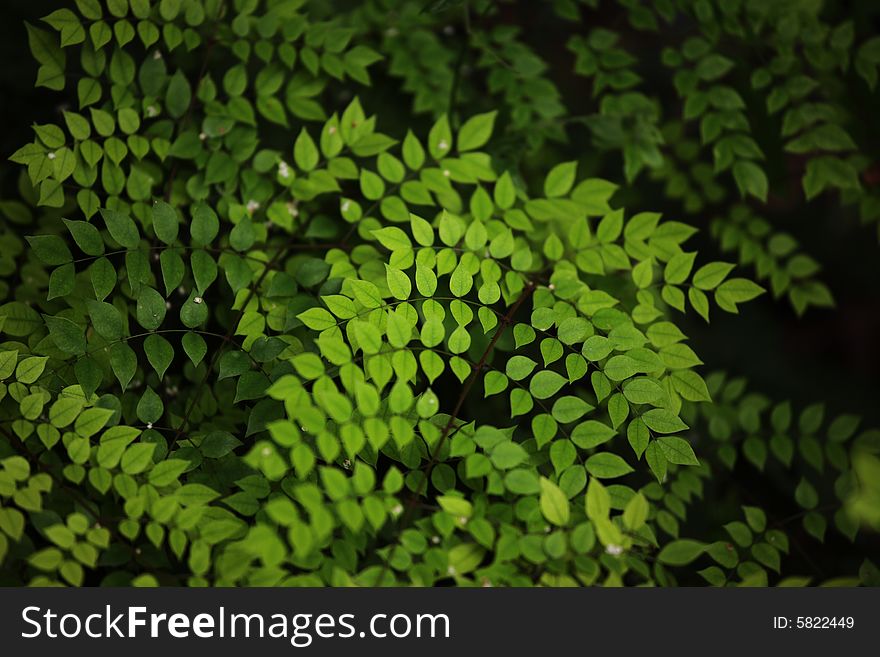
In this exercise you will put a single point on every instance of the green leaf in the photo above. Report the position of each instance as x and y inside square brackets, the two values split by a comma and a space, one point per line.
[597, 500]
[505, 192]
[137, 458]
[591, 433]
[91, 421]
[677, 450]
[734, 291]
[68, 24]
[50, 249]
[465, 557]
[690, 385]
[194, 346]
[805, 494]
[305, 153]
[750, 179]
[86, 236]
[662, 420]
[619, 368]
[123, 362]
[456, 506]
[393, 238]
[106, 319]
[62, 281]
[506, 455]
[413, 153]
[65, 410]
[398, 283]
[422, 231]
[519, 367]
[167, 472]
[30, 369]
[699, 302]
[678, 268]
[165, 222]
[8, 360]
[159, 353]
[570, 409]
[150, 308]
[739, 532]
[756, 518]
[476, 131]
[642, 391]
[204, 226]
[681, 552]
[150, 406]
[426, 281]
[440, 139]
[122, 228]
[317, 319]
[606, 465]
[546, 383]
[178, 96]
[461, 282]
[554, 503]
[194, 311]
[560, 180]
[635, 513]
[710, 276]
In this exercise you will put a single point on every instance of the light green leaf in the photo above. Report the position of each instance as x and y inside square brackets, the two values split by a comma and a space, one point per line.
[554, 504]
[662, 420]
[393, 238]
[606, 465]
[560, 180]
[681, 552]
[677, 450]
[30, 369]
[305, 153]
[476, 131]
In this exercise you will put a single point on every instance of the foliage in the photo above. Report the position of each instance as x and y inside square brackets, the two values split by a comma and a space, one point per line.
[252, 339]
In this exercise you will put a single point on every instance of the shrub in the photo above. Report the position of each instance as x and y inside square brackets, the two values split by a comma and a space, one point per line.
[256, 335]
